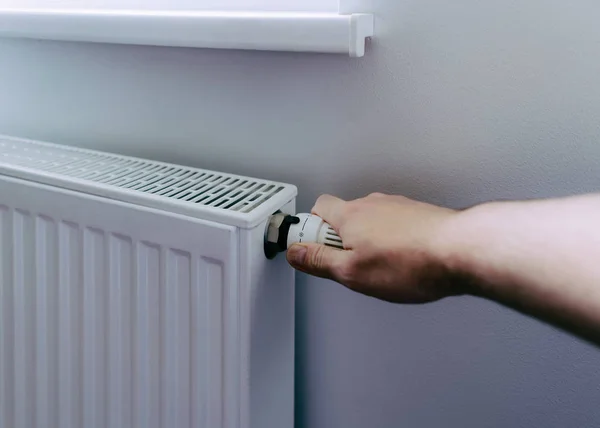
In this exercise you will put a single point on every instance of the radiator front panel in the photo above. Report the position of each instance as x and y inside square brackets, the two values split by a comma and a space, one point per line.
[112, 315]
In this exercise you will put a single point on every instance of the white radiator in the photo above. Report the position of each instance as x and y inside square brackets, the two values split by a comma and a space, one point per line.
[137, 294]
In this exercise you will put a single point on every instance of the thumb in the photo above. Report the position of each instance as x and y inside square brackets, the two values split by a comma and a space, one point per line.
[318, 260]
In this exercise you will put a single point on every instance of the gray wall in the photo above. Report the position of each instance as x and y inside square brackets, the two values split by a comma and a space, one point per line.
[456, 103]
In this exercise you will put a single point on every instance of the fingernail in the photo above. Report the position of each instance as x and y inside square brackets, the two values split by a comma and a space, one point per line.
[297, 254]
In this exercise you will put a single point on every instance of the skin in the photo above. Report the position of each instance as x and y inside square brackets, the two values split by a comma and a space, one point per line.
[541, 258]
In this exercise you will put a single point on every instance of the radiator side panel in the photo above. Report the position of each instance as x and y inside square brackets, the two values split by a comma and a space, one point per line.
[267, 333]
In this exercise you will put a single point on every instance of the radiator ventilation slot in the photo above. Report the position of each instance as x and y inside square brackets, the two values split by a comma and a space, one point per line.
[184, 184]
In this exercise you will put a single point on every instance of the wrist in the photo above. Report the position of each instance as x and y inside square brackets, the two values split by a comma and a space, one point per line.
[461, 248]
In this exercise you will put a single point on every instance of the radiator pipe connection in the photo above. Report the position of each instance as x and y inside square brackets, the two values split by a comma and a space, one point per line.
[284, 230]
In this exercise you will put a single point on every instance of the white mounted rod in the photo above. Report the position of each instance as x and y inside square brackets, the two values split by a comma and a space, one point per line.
[270, 31]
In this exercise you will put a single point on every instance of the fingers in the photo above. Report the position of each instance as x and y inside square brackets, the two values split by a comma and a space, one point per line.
[319, 260]
[330, 209]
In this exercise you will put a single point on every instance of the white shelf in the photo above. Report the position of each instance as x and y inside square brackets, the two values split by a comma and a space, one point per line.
[286, 31]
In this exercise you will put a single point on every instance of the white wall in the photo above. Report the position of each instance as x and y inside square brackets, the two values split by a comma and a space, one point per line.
[455, 103]
[261, 5]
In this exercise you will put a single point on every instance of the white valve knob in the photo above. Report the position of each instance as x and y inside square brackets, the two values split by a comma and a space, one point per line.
[312, 228]
[284, 230]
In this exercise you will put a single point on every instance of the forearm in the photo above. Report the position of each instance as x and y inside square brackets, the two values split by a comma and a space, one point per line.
[541, 258]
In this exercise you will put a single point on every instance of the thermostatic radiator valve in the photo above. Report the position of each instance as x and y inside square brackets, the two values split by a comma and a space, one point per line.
[284, 230]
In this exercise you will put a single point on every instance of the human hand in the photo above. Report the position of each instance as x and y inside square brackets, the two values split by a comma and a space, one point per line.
[394, 248]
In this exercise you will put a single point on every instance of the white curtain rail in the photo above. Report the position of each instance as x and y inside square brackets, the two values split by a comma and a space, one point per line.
[271, 31]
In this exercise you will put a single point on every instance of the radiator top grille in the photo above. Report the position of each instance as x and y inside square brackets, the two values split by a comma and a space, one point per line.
[196, 189]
